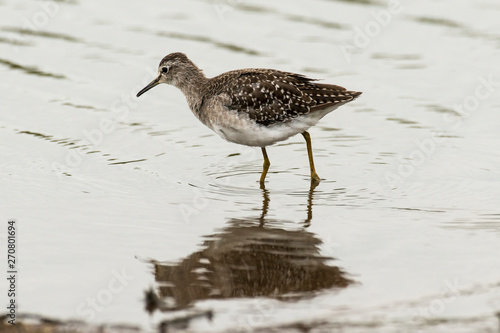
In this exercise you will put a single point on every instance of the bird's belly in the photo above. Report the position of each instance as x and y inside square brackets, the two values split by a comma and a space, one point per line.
[253, 134]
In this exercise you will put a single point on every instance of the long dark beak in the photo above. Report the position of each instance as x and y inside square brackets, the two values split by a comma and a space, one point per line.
[152, 84]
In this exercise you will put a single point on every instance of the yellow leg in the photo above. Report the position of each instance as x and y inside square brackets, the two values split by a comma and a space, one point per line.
[314, 175]
[265, 167]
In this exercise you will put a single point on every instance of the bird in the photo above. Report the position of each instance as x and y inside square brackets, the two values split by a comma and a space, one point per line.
[254, 106]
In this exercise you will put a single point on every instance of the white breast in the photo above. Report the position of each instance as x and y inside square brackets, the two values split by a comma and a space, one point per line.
[249, 133]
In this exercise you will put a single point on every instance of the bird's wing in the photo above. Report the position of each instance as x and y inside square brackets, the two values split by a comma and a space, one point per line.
[267, 96]
[270, 96]
[328, 95]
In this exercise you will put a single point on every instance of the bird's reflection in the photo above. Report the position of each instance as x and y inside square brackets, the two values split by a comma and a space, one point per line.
[250, 257]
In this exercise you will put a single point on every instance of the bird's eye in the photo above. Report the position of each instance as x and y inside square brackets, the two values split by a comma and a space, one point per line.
[164, 69]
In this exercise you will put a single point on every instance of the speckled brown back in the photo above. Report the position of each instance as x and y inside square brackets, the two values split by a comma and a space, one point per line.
[269, 96]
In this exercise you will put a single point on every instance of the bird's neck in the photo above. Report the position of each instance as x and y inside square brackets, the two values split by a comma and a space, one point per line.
[192, 84]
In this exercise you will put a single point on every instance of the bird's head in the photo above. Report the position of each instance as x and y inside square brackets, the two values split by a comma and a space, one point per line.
[173, 69]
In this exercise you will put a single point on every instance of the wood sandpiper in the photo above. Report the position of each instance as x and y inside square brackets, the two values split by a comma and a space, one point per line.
[253, 107]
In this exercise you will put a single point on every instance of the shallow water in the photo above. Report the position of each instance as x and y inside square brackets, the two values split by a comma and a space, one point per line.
[115, 195]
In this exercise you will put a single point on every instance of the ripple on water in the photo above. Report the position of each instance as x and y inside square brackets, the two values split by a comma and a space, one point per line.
[439, 21]
[42, 33]
[241, 181]
[209, 40]
[364, 2]
[14, 41]
[483, 221]
[290, 17]
[31, 70]
[65, 142]
[441, 109]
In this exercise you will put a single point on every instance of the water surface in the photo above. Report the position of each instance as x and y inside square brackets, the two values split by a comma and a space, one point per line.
[116, 196]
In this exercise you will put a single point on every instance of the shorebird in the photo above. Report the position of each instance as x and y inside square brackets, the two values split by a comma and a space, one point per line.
[253, 107]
